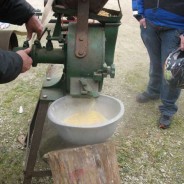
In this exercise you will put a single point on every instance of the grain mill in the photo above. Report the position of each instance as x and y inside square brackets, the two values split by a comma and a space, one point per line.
[86, 33]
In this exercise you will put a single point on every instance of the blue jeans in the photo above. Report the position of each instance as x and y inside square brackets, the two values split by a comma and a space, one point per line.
[160, 41]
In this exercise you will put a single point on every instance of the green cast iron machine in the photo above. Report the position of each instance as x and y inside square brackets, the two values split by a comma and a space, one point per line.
[86, 49]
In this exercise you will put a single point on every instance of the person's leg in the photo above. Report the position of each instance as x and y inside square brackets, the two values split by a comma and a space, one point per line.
[152, 43]
[170, 41]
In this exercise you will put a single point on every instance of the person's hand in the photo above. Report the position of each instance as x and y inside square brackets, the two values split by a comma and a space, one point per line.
[34, 26]
[143, 22]
[27, 61]
[182, 42]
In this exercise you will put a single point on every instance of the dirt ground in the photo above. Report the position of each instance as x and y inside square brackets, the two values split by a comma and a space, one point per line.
[146, 154]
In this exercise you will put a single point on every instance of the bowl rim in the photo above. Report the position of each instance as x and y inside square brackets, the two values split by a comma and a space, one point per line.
[110, 121]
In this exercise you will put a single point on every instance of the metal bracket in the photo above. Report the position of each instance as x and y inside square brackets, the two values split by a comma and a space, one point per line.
[86, 89]
[81, 43]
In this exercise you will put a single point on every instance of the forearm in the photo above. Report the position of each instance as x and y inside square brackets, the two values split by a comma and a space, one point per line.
[15, 11]
[10, 66]
[138, 9]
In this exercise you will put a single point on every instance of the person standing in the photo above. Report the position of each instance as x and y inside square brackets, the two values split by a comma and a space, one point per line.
[162, 29]
[17, 12]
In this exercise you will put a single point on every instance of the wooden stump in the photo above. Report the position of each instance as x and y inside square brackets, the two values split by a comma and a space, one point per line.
[92, 164]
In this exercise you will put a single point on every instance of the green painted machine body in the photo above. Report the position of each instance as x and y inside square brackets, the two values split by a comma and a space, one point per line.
[82, 70]
[85, 66]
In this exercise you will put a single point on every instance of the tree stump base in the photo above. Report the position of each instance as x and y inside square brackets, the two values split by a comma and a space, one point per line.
[91, 164]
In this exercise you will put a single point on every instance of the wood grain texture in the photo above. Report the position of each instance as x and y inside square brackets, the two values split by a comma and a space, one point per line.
[92, 164]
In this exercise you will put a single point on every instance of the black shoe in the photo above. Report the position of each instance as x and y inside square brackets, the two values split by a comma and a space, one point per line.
[164, 121]
[145, 97]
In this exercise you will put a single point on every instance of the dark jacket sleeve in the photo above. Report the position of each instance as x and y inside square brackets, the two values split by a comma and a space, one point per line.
[10, 66]
[15, 11]
[138, 9]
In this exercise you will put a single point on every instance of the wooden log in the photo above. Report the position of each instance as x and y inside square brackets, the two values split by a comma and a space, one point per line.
[91, 164]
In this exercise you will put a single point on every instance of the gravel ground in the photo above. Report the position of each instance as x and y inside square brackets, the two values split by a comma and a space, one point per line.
[146, 154]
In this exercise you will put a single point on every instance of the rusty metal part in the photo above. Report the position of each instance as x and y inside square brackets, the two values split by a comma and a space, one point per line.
[33, 142]
[81, 42]
[8, 40]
